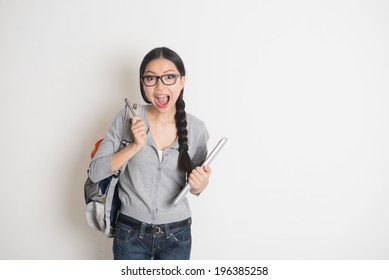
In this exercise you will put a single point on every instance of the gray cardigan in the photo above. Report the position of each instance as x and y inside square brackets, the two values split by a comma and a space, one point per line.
[148, 186]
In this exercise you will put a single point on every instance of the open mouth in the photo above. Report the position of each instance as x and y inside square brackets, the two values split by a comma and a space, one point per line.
[162, 100]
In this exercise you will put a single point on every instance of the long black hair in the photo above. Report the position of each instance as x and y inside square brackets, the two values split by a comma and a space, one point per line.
[184, 160]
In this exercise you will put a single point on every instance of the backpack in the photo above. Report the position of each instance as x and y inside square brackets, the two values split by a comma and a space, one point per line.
[102, 198]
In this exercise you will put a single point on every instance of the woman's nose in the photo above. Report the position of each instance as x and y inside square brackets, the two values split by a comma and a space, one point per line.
[160, 84]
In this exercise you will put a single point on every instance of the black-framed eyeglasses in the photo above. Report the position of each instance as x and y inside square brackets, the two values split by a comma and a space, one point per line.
[168, 79]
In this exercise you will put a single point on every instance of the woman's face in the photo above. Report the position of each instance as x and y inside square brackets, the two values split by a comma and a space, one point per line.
[163, 97]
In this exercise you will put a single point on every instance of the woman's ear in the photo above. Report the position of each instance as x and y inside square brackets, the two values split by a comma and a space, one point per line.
[182, 82]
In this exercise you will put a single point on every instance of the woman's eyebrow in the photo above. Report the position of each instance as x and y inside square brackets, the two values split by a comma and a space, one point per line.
[152, 72]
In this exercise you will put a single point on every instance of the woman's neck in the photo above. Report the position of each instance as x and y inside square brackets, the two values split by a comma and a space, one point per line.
[162, 118]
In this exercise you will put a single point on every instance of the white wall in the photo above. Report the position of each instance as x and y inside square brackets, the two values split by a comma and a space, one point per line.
[300, 88]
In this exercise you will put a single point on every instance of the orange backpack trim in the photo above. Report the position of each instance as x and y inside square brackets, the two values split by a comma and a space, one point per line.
[96, 148]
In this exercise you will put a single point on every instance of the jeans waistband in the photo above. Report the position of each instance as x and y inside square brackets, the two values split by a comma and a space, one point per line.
[151, 228]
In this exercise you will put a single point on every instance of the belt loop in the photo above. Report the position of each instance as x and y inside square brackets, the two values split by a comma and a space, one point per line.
[142, 230]
[168, 234]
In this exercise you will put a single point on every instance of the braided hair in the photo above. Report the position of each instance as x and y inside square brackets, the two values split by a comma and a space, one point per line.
[184, 160]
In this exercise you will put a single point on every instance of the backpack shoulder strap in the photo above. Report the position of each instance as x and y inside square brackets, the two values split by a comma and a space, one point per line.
[127, 137]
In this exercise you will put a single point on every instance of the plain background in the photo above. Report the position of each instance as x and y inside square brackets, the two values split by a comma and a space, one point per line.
[300, 88]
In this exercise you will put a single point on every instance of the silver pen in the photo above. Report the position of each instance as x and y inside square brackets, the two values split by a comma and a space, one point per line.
[131, 108]
[129, 105]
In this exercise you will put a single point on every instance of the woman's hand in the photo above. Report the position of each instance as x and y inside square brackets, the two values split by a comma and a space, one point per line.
[199, 179]
[138, 129]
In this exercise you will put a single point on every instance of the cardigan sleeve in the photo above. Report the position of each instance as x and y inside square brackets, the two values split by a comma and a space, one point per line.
[100, 166]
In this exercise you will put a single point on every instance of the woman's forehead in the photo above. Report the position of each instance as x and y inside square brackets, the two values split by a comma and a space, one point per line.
[160, 65]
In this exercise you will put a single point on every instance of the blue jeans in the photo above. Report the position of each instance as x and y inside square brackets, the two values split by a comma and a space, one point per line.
[135, 240]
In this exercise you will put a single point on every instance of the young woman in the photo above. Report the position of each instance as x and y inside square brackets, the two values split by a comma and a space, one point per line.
[167, 150]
